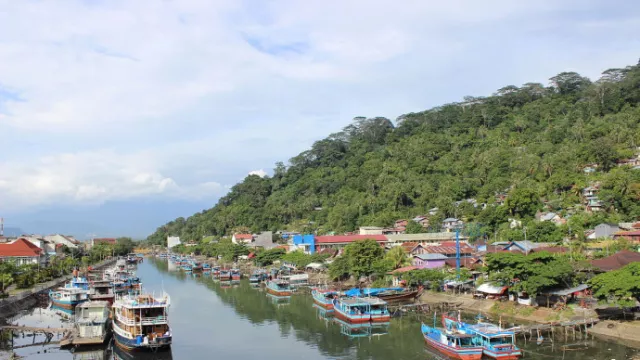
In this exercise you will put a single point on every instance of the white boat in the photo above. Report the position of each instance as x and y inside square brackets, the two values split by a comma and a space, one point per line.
[92, 323]
[140, 322]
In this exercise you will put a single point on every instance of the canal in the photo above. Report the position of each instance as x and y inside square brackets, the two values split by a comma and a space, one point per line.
[212, 321]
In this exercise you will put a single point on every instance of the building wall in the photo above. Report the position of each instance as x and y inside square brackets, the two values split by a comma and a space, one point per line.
[605, 231]
[371, 230]
[428, 264]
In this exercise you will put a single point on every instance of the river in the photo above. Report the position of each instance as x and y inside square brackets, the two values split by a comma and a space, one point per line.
[243, 323]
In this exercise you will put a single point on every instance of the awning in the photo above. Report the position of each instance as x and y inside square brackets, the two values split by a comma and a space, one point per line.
[565, 292]
[492, 289]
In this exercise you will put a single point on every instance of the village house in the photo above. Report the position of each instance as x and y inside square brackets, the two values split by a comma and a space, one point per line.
[304, 243]
[633, 236]
[370, 230]
[424, 238]
[551, 217]
[433, 211]
[401, 224]
[466, 262]
[340, 241]
[591, 200]
[448, 249]
[590, 168]
[526, 246]
[429, 261]
[241, 238]
[422, 220]
[22, 252]
[605, 231]
[48, 247]
[63, 240]
[450, 224]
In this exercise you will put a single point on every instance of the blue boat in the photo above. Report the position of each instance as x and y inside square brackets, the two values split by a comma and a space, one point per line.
[140, 322]
[455, 345]
[496, 342]
[258, 276]
[324, 297]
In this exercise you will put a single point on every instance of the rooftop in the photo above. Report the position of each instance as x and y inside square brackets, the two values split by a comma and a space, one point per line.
[616, 261]
[428, 257]
[348, 238]
[20, 247]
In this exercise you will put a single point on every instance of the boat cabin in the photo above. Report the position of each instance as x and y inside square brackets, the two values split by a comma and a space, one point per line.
[92, 318]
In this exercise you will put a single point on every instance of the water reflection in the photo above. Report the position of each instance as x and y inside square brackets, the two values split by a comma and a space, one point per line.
[119, 354]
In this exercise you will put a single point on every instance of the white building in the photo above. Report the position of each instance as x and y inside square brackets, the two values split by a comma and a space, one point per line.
[67, 241]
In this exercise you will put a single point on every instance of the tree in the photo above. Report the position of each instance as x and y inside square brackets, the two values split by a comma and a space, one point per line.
[522, 202]
[414, 228]
[123, 246]
[267, 257]
[339, 268]
[397, 258]
[362, 255]
[569, 82]
[422, 276]
[6, 279]
[621, 286]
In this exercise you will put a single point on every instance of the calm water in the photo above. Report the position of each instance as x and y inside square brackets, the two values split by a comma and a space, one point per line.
[212, 321]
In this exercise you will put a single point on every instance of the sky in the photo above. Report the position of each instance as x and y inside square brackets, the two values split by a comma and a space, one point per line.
[117, 116]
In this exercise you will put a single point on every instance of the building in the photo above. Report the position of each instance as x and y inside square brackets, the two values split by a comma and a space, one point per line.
[616, 261]
[264, 240]
[553, 217]
[241, 238]
[466, 262]
[340, 241]
[450, 224]
[371, 230]
[429, 261]
[525, 246]
[449, 249]
[107, 241]
[304, 243]
[605, 231]
[633, 236]
[425, 238]
[173, 241]
[67, 241]
[591, 200]
[39, 241]
[22, 252]
[422, 220]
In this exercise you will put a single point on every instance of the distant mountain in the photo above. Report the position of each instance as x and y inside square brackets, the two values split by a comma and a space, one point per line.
[13, 231]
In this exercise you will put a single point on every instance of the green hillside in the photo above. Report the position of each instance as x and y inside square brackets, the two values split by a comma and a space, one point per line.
[530, 143]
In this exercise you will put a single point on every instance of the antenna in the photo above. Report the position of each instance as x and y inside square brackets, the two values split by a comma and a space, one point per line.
[1, 226]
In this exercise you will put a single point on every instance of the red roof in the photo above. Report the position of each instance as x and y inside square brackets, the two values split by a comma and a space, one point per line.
[616, 261]
[552, 249]
[628, 233]
[404, 269]
[243, 236]
[468, 263]
[20, 247]
[337, 239]
[464, 248]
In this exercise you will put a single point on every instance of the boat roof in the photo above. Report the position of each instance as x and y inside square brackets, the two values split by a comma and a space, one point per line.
[92, 304]
[363, 301]
[489, 330]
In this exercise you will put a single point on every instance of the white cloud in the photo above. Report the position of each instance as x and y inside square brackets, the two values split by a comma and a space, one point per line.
[260, 173]
[117, 100]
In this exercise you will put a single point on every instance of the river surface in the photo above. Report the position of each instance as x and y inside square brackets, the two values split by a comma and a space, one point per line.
[210, 320]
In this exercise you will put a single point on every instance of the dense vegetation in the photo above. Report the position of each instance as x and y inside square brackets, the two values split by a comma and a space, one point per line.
[530, 143]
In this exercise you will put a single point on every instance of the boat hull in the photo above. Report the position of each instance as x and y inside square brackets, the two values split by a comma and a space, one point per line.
[323, 304]
[68, 305]
[401, 297]
[135, 345]
[461, 354]
[352, 319]
[380, 318]
[503, 355]
[280, 293]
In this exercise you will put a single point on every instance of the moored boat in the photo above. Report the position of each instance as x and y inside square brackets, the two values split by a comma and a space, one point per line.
[92, 324]
[68, 297]
[455, 345]
[324, 297]
[279, 288]
[140, 322]
[236, 275]
[101, 290]
[496, 342]
[257, 277]
[360, 310]
[225, 275]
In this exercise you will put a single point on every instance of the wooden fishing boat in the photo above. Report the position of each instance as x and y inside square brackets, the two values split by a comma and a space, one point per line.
[236, 275]
[140, 322]
[91, 325]
[401, 295]
[68, 297]
[496, 342]
[279, 287]
[102, 290]
[324, 297]
[225, 275]
[455, 345]
[360, 310]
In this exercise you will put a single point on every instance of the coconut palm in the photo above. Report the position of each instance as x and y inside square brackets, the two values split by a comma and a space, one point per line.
[398, 257]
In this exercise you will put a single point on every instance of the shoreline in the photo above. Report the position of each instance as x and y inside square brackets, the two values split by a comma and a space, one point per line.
[628, 333]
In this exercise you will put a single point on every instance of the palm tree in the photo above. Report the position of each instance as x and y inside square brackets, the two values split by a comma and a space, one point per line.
[5, 279]
[398, 257]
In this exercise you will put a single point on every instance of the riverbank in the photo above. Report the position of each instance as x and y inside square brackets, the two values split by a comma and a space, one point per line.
[629, 331]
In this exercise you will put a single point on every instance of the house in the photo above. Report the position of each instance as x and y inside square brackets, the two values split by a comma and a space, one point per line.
[264, 240]
[241, 238]
[422, 220]
[429, 261]
[450, 224]
[39, 241]
[304, 243]
[449, 250]
[590, 168]
[591, 200]
[466, 262]
[370, 230]
[552, 217]
[107, 241]
[633, 236]
[22, 252]
[605, 231]
[616, 261]
[525, 246]
[340, 241]
[433, 211]
[67, 241]
[396, 275]
[424, 238]
[401, 223]
[393, 231]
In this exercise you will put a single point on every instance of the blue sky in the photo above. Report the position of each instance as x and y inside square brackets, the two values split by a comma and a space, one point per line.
[117, 116]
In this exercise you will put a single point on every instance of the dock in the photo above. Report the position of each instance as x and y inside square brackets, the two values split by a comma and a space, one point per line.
[74, 340]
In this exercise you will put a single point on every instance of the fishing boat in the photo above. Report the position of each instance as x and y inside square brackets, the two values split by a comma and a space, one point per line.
[236, 275]
[140, 322]
[396, 294]
[101, 290]
[496, 342]
[206, 267]
[324, 297]
[361, 330]
[225, 275]
[297, 280]
[215, 271]
[196, 266]
[92, 325]
[279, 287]
[132, 259]
[360, 310]
[455, 345]
[186, 267]
[257, 277]
[68, 297]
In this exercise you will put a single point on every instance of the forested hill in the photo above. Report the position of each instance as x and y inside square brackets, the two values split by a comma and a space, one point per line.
[530, 142]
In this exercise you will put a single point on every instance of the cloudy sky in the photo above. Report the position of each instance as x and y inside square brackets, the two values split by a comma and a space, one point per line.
[117, 115]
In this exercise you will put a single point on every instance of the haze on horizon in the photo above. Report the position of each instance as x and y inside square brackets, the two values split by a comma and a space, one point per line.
[119, 116]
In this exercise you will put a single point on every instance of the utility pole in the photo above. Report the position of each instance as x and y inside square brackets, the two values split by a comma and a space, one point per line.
[458, 252]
